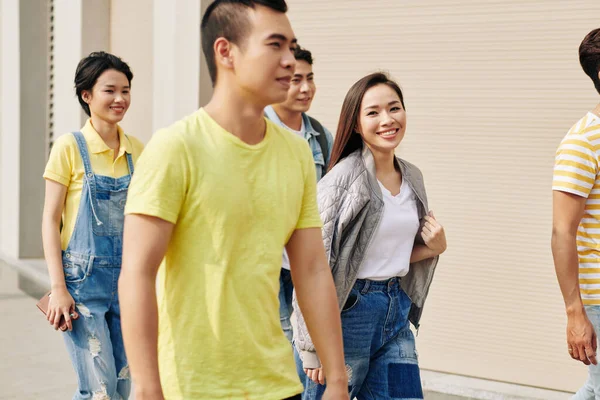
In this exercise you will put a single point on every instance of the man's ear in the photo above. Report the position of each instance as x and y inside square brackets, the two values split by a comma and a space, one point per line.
[223, 52]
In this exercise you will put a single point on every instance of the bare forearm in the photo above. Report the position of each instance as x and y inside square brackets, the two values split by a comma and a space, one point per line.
[53, 251]
[139, 317]
[421, 252]
[566, 263]
[316, 295]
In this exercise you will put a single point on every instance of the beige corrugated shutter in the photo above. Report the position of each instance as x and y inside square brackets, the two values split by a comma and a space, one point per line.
[491, 87]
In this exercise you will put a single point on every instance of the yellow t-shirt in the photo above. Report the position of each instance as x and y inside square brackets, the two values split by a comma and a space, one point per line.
[234, 207]
[65, 166]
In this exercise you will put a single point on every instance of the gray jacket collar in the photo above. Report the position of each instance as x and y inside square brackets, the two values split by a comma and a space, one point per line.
[406, 170]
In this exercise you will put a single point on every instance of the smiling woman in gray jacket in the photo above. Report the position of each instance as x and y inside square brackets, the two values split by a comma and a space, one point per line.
[383, 245]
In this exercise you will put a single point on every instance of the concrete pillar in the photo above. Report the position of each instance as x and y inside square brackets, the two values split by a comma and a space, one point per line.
[95, 24]
[23, 101]
[205, 88]
[9, 127]
[34, 57]
[131, 39]
[80, 27]
[160, 41]
[1, 85]
[67, 53]
[176, 60]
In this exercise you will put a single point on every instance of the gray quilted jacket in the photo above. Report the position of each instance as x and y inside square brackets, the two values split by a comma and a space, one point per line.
[351, 206]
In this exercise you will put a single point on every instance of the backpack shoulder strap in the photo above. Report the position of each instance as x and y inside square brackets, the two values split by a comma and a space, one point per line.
[322, 138]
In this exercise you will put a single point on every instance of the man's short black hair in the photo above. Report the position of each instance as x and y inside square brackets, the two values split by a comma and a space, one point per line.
[301, 54]
[229, 19]
[589, 56]
[91, 67]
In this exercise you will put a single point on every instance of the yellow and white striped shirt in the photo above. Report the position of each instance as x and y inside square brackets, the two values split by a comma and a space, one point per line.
[576, 170]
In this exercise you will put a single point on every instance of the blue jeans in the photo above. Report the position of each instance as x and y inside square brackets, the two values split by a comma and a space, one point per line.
[379, 347]
[591, 388]
[92, 264]
[286, 289]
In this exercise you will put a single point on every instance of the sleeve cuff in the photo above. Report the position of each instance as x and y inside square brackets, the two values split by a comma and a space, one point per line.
[151, 212]
[569, 190]
[310, 224]
[56, 178]
[310, 359]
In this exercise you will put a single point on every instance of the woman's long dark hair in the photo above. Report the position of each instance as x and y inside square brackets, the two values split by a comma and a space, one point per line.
[347, 140]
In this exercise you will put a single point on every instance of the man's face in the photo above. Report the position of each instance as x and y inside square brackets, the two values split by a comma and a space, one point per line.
[264, 63]
[303, 89]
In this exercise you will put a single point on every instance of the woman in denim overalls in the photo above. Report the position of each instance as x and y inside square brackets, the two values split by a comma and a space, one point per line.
[84, 255]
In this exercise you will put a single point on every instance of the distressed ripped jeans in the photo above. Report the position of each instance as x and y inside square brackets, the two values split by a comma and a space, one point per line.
[96, 344]
[379, 347]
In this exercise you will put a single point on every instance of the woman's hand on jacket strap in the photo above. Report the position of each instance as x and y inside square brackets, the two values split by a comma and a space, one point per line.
[433, 234]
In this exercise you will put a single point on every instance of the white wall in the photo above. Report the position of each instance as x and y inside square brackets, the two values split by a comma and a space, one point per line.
[9, 128]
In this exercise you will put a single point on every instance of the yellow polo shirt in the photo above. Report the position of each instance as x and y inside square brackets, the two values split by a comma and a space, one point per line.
[65, 166]
[234, 207]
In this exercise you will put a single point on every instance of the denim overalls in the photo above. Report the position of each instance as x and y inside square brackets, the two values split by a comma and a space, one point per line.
[92, 264]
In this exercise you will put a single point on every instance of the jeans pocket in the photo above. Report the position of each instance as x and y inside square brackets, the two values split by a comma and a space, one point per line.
[407, 345]
[352, 301]
[76, 271]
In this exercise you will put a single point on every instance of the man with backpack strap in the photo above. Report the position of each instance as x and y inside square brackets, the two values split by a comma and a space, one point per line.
[291, 114]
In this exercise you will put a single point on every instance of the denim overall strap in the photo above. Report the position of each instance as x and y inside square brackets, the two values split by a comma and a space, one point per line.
[129, 163]
[85, 156]
[88, 177]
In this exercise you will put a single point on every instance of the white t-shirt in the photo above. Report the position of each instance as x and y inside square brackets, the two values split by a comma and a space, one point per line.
[391, 246]
[300, 132]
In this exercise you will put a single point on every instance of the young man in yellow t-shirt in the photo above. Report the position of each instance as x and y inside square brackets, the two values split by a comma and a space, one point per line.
[218, 195]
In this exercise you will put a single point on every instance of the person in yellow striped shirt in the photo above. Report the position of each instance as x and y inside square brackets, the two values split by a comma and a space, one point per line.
[576, 227]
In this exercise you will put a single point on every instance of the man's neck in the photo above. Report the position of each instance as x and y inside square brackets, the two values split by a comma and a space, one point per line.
[596, 111]
[237, 115]
[291, 119]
